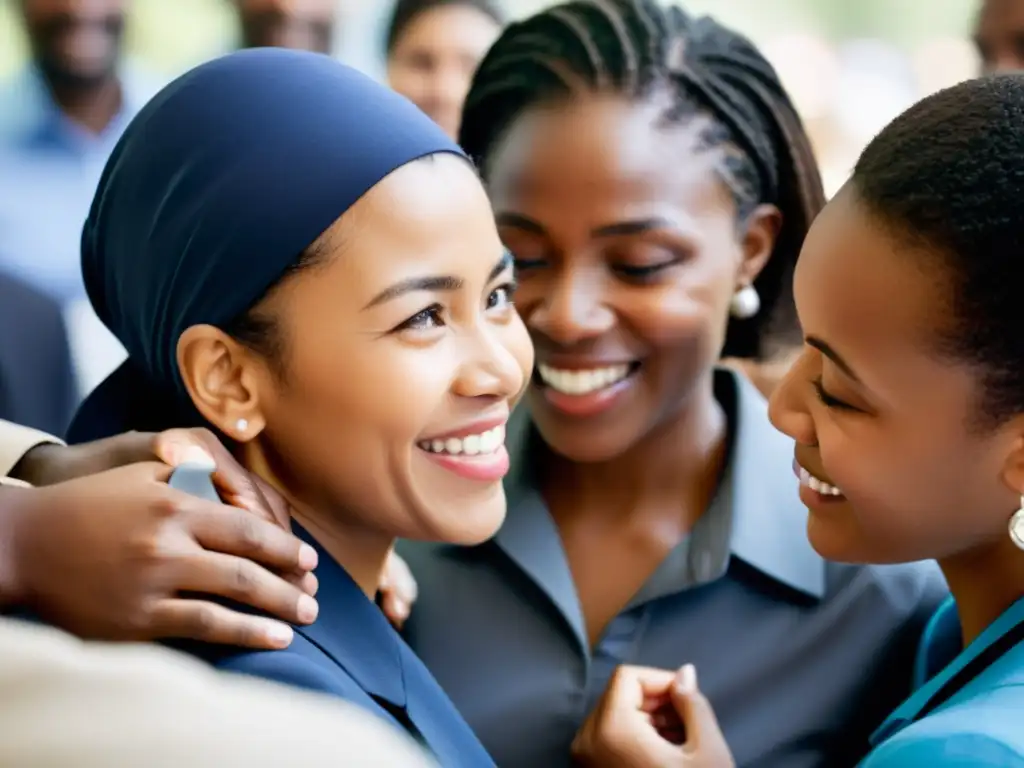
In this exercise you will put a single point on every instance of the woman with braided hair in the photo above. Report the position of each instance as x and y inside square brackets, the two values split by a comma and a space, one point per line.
[651, 178]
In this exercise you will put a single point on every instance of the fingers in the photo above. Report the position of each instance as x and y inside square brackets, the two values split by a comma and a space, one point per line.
[396, 610]
[212, 623]
[398, 590]
[306, 581]
[703, 735]
[233, 531]
[236, 485]
[245, 582]
[641, 688]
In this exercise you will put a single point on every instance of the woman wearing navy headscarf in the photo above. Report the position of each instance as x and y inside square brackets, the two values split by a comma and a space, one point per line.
[299, 258]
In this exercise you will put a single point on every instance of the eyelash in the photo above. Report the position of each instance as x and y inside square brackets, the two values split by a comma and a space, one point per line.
[827, 400]
[637, 274]
[430, 317]
[645, 274]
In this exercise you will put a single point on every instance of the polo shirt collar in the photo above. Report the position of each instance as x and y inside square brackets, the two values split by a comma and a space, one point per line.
[766, 522]
[943, 631]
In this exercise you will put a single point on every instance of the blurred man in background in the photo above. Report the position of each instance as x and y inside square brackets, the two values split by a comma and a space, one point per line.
[999, 35]
[307, 25]
[60, 117]
[59, 120]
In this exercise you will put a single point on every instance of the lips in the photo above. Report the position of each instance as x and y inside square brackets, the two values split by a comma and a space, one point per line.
[815, 483]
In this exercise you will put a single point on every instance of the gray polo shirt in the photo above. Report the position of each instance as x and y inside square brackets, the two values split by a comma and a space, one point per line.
[800, 658]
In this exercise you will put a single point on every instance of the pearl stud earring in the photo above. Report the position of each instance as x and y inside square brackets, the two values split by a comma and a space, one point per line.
[745, 303]
[1017, 526]
[242, 425]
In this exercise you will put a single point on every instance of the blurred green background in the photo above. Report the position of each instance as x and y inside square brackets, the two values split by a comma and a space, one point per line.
[170, 35]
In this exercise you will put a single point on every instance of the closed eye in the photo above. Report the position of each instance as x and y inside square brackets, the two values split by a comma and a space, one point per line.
[644, 273]
[828, 400]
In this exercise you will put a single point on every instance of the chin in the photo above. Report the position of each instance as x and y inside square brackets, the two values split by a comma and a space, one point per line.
[468, 522]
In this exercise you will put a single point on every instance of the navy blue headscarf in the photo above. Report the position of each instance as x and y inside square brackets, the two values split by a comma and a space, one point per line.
[214, 190]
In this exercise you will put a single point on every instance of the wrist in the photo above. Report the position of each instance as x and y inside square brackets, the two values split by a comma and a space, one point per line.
[16, 513]
[40, 464]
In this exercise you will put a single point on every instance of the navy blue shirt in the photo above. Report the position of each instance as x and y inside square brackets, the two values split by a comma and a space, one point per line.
[352, 652]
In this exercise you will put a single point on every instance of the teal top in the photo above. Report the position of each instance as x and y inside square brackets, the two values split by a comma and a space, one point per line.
[982, 724]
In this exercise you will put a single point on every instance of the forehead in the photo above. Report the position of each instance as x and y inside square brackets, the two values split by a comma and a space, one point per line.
[319, 8]
[878, 302]
[603, 148]
[458, 25]
[425, 216]
[38, 7]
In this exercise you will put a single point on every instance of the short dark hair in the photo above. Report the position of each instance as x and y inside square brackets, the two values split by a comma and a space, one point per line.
[406, 11]
[946, 178]
[638, 48]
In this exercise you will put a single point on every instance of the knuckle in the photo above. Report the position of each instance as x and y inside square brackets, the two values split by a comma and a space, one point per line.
[165, 505]
[204, 621]
[245, 579]
[250, 532]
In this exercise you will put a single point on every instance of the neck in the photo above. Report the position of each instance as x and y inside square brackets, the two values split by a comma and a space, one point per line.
[360, 550]
[985, 582]
[678, 462]
[92, 106]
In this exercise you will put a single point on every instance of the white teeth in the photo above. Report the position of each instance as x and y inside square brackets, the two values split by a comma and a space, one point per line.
[806, 478]
[470, 445]
[581, 382]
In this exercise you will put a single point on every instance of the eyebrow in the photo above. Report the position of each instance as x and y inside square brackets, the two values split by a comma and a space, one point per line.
[436, 283]
[832, 355]
[619, 228]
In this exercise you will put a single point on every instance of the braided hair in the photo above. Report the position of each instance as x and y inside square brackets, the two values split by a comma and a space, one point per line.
[639, 48]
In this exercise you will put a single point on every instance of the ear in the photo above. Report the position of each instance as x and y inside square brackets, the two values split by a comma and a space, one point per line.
[763, 225]
[222, 378]
[1013, 466]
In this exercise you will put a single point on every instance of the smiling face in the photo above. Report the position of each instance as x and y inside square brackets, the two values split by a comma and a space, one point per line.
[628, 253]
[401, 357]
[880, 417]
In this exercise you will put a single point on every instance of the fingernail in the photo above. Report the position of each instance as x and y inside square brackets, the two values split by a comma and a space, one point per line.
[686, 679]
[307, 557]
[311, 584]
[308, 609]
[402, 610]
[279, 635]
[193, 454]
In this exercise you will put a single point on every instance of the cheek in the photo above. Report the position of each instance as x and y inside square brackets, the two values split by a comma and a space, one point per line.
[690, 313]
[516, 340]
[371, 403]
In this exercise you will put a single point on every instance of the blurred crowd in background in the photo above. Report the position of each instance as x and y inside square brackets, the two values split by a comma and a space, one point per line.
[878, 56]
[850, 68]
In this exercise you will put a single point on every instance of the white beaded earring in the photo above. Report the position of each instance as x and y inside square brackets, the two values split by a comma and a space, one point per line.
[745, 303]
[242, 425]
[1017, 526]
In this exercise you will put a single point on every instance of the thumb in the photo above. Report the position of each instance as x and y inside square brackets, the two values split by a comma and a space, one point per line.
[704, 738]
[179, 446]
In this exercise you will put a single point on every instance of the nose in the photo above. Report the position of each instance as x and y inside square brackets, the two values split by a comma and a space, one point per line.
[787, 408]
[491, 368]
[572, 310]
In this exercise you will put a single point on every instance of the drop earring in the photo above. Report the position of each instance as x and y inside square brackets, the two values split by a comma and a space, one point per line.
[745, 303]
[1017, 526]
